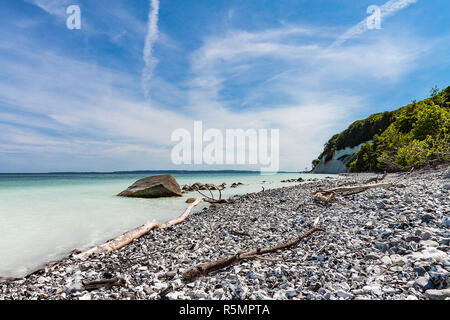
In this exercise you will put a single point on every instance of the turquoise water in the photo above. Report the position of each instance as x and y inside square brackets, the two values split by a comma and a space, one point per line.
[45, 216]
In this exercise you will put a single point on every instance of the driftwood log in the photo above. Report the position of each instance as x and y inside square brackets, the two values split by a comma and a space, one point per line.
[104, 283]
[120, 241]
[212, 199]
[323, 198]
[349, 189]
[204, 269]
[328, 196]
[131, 235]
[239, 233]
[376, 179]
[181, 218]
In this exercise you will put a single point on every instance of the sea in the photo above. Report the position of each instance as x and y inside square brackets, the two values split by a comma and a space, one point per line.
[44, 217]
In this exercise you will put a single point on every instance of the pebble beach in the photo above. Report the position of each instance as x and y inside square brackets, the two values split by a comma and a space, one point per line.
[389, 243]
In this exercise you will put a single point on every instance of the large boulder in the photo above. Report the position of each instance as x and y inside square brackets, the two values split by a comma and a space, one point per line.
[153, 187]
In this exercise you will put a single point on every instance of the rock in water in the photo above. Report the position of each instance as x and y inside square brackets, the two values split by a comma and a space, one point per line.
[153, 187]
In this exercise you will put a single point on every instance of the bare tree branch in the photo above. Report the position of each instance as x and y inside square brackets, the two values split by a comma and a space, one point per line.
[204, 269]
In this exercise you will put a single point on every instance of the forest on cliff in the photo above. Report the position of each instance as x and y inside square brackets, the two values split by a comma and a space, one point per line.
[414, 135]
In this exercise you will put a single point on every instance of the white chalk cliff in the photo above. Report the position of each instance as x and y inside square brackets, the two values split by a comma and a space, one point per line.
[339, 162]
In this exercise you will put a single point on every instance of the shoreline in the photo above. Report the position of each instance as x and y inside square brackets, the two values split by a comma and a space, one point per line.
[157, 260]
[90, 212]
[75, 252]
[24, 272]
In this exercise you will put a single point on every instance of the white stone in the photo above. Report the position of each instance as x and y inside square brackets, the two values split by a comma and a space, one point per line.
[433, 294]
[344, 294]
[396, 258]
[386, 260]
[86, 296]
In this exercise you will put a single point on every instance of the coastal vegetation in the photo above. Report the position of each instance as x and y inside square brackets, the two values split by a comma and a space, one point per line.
[413, 135]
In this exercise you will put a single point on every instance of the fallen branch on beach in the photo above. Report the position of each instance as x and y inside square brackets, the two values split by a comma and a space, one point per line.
[328, 196]
[131, 235]
[349, 189]
[320, 197]
[103, 283]
[268, 259]
[204, 269]
[181, 218]
[238, 233]
[376, 179]
[215, 201]
[212, 199]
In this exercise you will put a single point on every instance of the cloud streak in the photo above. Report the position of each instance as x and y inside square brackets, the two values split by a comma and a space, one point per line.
[386, 10]
[60, 112]
[302, 89]
[52, 7]
[152, 37]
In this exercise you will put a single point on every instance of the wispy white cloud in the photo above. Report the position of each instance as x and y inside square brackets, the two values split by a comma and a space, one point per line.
[386, 10]
[79, 110]
[304, 90]
[278, 62]
[79, 107]
[126, 31]
[152, 36]
[53, 7]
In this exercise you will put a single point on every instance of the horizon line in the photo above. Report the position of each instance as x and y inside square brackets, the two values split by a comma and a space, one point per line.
[148, 171]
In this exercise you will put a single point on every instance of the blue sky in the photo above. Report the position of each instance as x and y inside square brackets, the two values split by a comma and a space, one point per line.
[108, 96]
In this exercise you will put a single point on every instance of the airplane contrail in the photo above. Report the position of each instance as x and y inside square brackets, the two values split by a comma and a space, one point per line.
[152, 36]
[386, 10]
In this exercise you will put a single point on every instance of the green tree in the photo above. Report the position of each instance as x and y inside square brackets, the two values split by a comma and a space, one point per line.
[411, 135]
